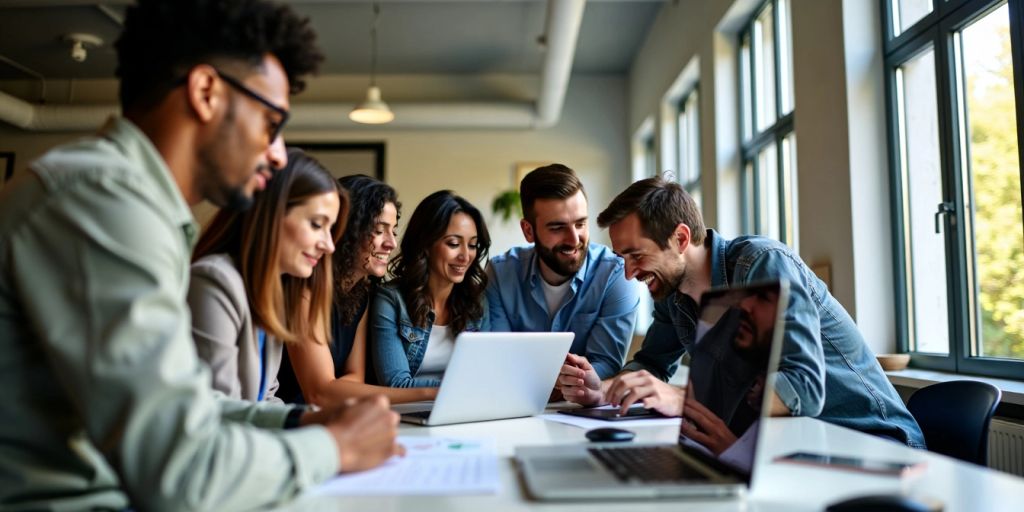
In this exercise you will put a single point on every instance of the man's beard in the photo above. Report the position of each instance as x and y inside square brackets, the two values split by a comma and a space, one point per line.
[560, 267]
[761, 342]
[668, 285]
[225, 196]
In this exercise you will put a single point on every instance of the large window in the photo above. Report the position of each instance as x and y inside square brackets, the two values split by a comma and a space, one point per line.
[954, 73]
[688, 145]
[766, 105]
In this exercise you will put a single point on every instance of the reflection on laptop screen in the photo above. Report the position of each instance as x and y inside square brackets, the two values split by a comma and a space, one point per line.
[729, 369]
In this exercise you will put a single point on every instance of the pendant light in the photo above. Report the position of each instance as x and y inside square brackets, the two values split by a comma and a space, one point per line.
[372, 110]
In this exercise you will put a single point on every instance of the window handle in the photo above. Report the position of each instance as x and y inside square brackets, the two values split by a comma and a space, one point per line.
[944, 209]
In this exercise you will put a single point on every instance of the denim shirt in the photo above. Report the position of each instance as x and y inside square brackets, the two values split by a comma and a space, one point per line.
[600, 309]
[826, 369]
[398, 345]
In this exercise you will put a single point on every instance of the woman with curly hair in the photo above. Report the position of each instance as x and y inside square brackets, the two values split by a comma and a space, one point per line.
[437, 292]
[331, 374]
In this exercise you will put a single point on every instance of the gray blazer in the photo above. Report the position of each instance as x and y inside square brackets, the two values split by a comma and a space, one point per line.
[224, 333]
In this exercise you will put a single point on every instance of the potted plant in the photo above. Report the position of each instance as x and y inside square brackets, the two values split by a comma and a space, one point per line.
[506, 204]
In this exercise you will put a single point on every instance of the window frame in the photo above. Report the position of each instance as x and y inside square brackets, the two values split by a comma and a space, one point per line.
[688, 183]
[937, 30]
[752, 141]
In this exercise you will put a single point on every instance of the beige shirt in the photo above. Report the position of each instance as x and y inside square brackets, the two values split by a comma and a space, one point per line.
[105, 402]
[224, 332]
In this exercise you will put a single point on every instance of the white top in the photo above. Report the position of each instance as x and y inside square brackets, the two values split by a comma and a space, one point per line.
[555, 295]
[439, 351]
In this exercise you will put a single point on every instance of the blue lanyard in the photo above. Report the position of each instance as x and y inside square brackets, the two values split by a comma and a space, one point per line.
[262, 336]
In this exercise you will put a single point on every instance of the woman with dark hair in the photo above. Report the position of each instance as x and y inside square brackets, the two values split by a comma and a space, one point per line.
[259, 279]
[437, 292]
[331, 374]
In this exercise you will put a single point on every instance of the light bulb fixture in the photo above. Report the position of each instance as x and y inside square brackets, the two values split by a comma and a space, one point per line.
[80, 44]
[372, 110]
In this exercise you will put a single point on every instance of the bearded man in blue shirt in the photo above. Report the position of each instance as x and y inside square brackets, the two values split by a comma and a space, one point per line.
[826, 369]
[563, 283]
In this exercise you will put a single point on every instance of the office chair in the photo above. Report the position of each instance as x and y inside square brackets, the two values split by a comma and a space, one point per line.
[954, 417]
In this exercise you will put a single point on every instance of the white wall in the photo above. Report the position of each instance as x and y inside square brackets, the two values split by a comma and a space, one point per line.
[840, 130]
[590, 137]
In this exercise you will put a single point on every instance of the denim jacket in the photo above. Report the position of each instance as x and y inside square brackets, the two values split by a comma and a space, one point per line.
[398, 345]
[826, 369]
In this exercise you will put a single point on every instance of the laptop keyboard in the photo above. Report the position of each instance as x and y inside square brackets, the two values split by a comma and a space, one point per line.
[646, 464]
[417, 414]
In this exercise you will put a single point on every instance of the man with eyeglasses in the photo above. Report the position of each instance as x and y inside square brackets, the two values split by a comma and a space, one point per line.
[106, 405]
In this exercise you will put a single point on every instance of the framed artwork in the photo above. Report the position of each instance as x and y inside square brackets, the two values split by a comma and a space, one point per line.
[6, 166]
[347, 158]
[522, 169]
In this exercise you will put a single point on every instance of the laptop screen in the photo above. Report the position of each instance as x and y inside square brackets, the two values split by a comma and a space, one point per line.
[731, 371]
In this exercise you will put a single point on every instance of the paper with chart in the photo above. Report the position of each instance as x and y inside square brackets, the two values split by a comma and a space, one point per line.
[431, 466]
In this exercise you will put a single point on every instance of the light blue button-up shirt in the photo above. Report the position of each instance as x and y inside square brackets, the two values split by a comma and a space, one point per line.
[600, 309]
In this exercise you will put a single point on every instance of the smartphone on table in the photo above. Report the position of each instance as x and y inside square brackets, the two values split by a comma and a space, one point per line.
[878, 467]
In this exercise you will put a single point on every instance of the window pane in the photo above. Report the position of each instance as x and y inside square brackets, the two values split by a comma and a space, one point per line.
[697, 195]
[785, 59]
[789, 188]
[745, 88]
[922, 192]
[749, 200]
[907, 12]
[998, 236]
[764, 74]
[768, 192]
[650, 165]
[689, 152]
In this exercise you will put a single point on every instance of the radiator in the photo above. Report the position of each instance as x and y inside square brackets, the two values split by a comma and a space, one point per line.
[1006, 446]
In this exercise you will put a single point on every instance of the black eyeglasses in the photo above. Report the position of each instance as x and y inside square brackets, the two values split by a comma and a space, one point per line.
[273, 127]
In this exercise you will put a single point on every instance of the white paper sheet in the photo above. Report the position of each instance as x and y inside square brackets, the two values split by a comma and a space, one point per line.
[432, 466]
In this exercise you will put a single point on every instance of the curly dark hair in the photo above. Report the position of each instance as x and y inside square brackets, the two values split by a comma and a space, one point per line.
[411, 268]
[162, 40]
[368, 197]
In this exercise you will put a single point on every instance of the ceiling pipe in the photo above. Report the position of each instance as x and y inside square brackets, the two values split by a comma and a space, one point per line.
[564, 18]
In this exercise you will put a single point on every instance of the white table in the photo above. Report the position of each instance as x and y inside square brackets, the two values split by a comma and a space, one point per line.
[777, 486]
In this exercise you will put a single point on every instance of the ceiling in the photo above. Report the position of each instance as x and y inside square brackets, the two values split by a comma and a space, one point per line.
[415, 36]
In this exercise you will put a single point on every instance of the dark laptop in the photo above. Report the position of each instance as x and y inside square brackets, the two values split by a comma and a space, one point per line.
[732, 372]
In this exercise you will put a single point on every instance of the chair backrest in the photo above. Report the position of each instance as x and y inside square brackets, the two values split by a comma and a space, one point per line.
[954, 417]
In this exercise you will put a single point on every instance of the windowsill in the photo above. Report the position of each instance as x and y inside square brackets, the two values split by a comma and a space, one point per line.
[1013, 390]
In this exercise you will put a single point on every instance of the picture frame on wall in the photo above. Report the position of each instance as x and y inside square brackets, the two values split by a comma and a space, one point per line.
[523, 168]
[6, 167]
[347, 158]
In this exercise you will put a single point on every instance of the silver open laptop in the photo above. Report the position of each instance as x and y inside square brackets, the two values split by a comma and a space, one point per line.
[497, 375]
[732, 372]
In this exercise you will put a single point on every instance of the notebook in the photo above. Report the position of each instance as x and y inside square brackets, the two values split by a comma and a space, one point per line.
[732, 372]
[496, 375]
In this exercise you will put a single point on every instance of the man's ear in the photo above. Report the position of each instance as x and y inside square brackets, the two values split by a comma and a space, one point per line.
[527, 230]
[202, 85]
[682, 236]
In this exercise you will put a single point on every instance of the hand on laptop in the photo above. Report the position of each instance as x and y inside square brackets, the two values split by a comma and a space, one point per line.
[579, 381]
[364, 431]
[701, 425]
[642, 387]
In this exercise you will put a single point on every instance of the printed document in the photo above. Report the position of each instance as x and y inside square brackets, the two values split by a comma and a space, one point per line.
[432, 466]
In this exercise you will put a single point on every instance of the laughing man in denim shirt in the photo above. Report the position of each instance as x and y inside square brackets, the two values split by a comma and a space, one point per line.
[826, 370]
[563, 283]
